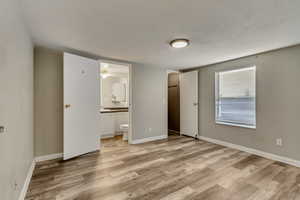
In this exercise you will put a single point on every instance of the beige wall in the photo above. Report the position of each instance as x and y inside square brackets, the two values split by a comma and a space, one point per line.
[48, 97]
[16, 100]
[149, 111]
[278, 103]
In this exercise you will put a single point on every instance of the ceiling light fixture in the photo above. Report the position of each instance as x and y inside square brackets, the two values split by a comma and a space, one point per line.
[104, 76]
[104, 73]
[179, 43]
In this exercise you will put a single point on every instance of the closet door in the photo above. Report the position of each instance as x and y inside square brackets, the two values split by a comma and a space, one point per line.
[189, 103]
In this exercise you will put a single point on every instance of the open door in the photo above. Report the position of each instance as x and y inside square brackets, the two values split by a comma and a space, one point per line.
[189, 103]
[81, 105]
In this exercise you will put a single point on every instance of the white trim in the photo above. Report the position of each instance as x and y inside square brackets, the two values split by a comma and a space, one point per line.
[130, 110]
[172, 71]
[217, 95]
[149, 139]
[254, 151]
[27, 181]
[166, 102]
[240, 69]
[235, 124]
[48, 157]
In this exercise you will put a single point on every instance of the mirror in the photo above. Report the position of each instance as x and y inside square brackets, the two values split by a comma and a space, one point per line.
[118, 92]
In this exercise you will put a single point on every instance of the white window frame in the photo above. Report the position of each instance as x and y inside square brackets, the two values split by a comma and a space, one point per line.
[229, 123]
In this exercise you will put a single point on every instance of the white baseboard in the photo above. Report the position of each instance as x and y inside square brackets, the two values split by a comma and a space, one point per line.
[27, 181]
[31, 169]
[48, 157]
[149, 139]
[253, 151]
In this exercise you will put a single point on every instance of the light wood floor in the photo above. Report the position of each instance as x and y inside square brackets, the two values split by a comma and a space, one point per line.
[172, 169]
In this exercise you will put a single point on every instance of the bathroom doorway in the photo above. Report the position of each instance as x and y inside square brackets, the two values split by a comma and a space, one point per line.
[115, 112]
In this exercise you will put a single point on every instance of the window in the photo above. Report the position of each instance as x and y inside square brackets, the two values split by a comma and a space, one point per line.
[235, 97]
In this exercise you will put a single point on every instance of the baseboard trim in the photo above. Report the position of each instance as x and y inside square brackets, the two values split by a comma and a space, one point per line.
[271, 156]
[27, 181]
[149, 139]
[48, 157]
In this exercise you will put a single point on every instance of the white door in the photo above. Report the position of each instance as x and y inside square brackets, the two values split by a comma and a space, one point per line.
[189, 103]
[81, 105]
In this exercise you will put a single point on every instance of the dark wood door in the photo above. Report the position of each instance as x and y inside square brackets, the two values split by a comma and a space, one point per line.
[173, 102]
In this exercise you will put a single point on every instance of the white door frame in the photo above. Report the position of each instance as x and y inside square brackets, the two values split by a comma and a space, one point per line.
[130, 93]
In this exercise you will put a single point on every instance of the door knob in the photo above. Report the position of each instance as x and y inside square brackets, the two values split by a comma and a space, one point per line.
[195, 104]
[67, 105]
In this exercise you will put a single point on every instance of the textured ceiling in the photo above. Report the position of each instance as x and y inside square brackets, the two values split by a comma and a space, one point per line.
[139, 30]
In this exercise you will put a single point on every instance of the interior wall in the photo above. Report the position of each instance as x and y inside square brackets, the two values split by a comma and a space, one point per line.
[149, 107]
[277, 102]
[16, 100]
[48, 96]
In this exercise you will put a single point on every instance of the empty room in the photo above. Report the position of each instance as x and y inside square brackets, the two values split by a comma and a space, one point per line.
[149, 100]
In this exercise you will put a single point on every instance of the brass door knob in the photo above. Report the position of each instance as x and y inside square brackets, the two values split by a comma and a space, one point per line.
[67, 105]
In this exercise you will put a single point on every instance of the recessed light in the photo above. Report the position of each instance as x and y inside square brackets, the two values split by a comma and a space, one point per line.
[179, 43]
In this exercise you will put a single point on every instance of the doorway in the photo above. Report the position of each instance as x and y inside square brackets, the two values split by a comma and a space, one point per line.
[85, 103]
[173, 103]
[115, 112]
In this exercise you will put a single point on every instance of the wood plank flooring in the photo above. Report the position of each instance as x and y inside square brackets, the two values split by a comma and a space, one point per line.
[172, 169]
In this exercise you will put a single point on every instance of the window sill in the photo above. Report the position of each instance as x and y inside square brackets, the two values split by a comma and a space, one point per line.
[236, 125]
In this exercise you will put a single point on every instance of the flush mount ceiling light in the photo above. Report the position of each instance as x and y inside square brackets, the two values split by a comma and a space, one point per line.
[104, 73]
[179, 43]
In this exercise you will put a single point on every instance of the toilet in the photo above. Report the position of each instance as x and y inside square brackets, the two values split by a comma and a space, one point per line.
[124, 129]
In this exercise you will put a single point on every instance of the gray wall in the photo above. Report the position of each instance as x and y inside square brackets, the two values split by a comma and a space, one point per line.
[149, 101]
[278, 103]
[149, 86]
[48, 97]
[16, 100]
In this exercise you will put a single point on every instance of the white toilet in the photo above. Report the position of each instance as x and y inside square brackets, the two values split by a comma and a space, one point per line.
[124, 129]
